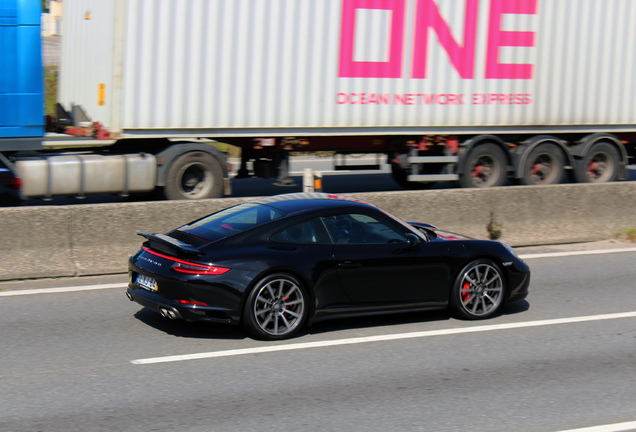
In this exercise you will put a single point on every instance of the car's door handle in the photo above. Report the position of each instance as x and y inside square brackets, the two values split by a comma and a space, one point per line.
[349, 265]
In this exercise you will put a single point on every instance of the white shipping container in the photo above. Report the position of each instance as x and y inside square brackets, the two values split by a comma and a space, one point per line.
[280, 67]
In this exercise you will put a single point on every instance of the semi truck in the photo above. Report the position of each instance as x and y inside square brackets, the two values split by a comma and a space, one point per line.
[478, 92]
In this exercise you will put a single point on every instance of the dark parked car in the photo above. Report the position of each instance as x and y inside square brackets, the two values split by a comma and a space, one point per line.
[10, 184]
[278, 263]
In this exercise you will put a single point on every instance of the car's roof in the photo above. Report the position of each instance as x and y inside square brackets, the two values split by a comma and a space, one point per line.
[308, 201]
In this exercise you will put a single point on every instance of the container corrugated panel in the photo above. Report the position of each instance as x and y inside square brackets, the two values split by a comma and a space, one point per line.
[87, 57]
[21, 86]
[233, 66]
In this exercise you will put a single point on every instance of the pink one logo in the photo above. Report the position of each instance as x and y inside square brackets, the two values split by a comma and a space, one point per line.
[428, 17]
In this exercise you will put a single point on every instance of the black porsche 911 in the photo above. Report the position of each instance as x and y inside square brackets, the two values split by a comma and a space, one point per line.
[278, 263]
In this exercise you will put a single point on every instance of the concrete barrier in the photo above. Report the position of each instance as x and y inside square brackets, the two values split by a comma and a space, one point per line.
[92, 239]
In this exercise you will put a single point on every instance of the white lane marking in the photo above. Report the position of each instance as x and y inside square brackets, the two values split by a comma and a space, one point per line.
[61, 289]
[380, 338]
[616, 427]
[575, 253]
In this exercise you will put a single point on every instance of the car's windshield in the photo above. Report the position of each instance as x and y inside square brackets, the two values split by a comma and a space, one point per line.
[232, 221]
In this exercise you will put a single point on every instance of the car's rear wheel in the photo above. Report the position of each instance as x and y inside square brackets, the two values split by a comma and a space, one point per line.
[276, 308]
[479, 290]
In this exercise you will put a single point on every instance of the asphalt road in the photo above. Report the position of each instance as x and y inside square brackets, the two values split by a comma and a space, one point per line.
[90, 360]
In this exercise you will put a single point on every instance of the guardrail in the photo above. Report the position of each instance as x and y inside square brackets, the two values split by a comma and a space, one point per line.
[94, 239]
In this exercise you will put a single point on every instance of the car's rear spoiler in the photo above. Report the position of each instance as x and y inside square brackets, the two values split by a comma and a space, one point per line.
[170, 245]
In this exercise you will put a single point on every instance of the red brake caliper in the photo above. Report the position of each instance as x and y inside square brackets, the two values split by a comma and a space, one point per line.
[465, 293]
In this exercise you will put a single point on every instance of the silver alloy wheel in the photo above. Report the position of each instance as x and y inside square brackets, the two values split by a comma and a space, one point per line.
[481, 290]
[279, 307]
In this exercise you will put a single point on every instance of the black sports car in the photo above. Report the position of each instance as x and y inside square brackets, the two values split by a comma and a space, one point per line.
[278, 263]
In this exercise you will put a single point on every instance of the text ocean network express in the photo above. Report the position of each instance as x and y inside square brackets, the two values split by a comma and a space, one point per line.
[461, 54]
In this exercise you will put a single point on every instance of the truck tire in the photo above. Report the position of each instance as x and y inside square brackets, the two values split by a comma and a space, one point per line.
[599, 165]
[192, 176]
[486, 166]
[544, 166]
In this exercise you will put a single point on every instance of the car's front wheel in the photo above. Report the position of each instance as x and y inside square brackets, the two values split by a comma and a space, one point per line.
[276, 308]
[479, 290]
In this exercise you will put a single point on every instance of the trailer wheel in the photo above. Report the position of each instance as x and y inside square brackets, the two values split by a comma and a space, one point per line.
[599, 165]
[486, 166]
[544, 166]
[194, 175]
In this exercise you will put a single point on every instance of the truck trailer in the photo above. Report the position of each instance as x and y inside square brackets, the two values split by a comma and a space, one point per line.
[479, 92]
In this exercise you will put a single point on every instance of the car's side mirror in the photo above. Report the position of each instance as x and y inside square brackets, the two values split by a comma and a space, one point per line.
[412, 240]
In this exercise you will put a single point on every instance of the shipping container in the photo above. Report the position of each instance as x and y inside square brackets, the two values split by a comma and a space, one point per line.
[219, 67]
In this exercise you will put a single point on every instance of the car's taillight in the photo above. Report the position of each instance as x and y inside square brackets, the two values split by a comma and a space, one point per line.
[188, 267]
[192, 268]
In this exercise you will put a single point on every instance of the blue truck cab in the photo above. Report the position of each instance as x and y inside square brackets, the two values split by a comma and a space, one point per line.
[21, 76]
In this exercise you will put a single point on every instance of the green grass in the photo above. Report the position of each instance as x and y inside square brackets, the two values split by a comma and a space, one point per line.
[230, 150]
[628, 234]
[50, 90]
[494, 228]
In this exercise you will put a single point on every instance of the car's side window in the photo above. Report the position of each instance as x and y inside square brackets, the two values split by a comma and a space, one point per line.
[311, 231]
[362, 229]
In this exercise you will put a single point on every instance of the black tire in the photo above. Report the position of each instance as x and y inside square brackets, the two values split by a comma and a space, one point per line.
[545, 165]
[479, 290]
[276, 308]
[486, 166]
[599, 165]
[195, 175]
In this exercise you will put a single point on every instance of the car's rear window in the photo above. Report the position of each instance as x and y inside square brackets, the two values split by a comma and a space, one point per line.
[232, 221]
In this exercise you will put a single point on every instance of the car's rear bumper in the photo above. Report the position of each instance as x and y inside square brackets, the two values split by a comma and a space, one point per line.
[179, 311]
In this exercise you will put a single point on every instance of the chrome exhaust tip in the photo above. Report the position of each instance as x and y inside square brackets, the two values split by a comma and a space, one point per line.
[163, 312]
[129, 295]
[171, 314]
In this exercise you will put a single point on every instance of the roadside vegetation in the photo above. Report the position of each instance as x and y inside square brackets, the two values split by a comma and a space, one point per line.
[494, 228]
[50, 89]
[627, 234]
